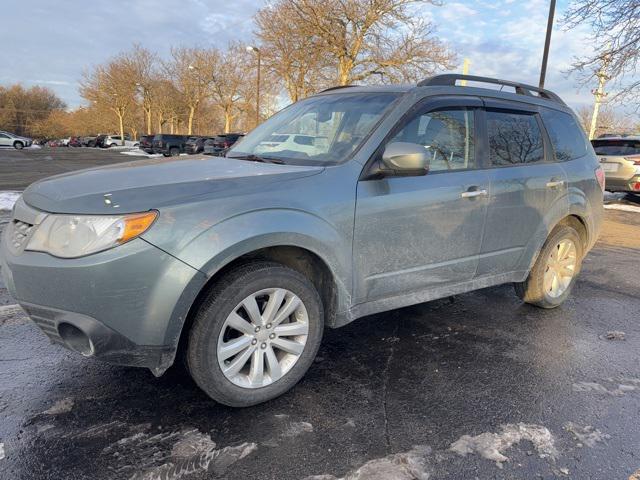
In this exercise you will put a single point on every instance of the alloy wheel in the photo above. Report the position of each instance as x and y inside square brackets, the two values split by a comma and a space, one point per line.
[263, 338]
[561, 268]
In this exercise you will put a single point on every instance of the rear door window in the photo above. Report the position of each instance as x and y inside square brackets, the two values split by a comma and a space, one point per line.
[566, 136]
[514, 138]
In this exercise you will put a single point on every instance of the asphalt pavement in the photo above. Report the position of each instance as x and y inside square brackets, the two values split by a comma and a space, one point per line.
[475, 386]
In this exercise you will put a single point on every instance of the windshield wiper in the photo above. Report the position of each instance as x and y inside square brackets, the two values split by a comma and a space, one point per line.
[257, 158]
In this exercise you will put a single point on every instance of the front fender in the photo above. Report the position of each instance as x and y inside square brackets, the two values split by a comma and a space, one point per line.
[234, 237]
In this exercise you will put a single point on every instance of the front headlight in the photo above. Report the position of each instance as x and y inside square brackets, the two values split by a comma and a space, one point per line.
[70, 236]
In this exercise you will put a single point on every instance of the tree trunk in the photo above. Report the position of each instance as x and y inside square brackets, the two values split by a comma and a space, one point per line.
[121, 121]
[149, 121]
[192, 112]
[227, 121]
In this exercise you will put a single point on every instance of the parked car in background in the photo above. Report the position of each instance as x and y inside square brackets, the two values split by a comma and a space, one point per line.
[620, 160]
[221, 143]
[196, 144]
[280, 142]
[146, 143]
[75, 141]
[169, 145]
[99, 143]
[116, 141]
[8, 139]
[415, 193]
[89, 141]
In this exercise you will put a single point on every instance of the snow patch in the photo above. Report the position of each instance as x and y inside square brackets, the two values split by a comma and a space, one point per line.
[33, 147]
[622, 207]
[140, 153]
[8, 199]
[173, 455]
[586, 435]
[411, 465]
[61, 406]
[615, 335]
[492, 445]
[293, 429]
[2, 454]
[620, 390]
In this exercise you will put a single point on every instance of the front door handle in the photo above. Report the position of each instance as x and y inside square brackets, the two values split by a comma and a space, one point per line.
[473, 193]
[555, 183]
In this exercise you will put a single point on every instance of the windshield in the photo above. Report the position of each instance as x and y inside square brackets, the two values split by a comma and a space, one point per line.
[319, 130]
[616, 147]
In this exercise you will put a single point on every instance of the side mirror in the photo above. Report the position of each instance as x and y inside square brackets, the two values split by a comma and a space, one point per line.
[404, 158]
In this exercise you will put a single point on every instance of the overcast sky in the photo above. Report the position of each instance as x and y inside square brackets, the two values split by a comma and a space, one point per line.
[51, 43]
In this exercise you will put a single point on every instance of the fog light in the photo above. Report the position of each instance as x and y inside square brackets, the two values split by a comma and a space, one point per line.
[75, 339]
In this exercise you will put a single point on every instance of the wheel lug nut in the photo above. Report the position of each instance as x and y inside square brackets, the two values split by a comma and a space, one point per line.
[254, 341]
[272, 336]
[264, 345]
[268, 325]
[257, 329]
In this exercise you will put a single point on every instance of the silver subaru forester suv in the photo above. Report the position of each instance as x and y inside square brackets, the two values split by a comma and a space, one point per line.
[398, 195]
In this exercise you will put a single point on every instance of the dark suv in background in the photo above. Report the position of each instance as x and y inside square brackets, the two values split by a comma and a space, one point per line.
[221, 143]
[169, 145]
[196, 144]
[146, 143]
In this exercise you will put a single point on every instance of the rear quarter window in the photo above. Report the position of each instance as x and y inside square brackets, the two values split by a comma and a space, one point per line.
[566, 136]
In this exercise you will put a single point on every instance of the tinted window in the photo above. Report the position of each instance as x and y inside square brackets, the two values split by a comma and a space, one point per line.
[446, 134]
[565, 134]
[514, 138]
[616, 147]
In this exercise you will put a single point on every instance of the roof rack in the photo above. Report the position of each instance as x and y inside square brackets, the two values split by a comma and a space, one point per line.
[336, 88]
[450, 79]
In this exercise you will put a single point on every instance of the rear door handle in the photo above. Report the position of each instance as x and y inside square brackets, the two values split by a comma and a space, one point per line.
[473, 193]
[555, 183]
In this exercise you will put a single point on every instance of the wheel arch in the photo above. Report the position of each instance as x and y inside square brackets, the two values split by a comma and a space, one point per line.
[301, 259]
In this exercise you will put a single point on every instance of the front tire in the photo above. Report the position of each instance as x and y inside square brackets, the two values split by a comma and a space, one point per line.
[174, 152]
[255, 334]
[18, 145]
[553, 275]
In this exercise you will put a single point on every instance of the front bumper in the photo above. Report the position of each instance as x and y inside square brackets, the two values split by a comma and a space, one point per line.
[125, 305]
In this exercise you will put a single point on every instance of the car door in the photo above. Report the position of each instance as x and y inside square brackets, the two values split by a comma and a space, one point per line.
[526, 183]
[5, 140]
[413, 233]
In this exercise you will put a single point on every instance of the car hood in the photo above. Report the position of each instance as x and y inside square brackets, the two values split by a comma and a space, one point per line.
[151, 184]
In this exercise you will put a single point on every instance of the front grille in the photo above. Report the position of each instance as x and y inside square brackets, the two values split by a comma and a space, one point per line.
[42, 318]
[19, 233]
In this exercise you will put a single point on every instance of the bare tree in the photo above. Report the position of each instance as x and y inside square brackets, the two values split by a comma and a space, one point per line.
[615, 39]
[289, 53]
[145, 64]
[363, 38]
[191, 71]
[112, 86]
[609, 121]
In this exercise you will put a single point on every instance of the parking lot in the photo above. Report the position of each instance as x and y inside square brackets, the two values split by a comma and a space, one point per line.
[474, 386]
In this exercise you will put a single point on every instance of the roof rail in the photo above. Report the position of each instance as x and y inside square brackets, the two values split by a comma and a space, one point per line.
[336, 88]
[449, 79]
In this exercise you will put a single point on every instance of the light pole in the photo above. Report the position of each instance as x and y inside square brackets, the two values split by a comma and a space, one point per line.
[547, 42]
[252, 48]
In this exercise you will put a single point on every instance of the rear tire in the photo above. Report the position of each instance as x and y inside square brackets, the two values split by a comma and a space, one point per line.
[267, 371]
[18, 145]
[553, 275]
